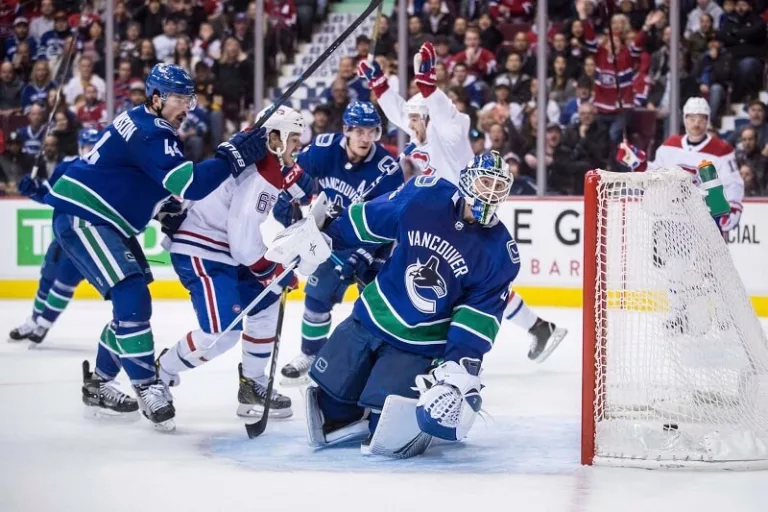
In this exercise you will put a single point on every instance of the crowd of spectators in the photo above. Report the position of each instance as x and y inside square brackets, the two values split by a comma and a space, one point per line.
[486, 64]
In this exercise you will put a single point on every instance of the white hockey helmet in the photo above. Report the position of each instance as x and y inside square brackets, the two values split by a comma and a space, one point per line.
[286, 121]
[696, 105]
[417, 105]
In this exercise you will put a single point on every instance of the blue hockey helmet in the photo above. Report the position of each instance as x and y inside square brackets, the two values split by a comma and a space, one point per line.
[362, 114]
[87, 137]
[485, 184]
[167, 79]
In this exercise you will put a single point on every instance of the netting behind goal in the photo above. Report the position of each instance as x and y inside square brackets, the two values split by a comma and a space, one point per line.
[675, 359]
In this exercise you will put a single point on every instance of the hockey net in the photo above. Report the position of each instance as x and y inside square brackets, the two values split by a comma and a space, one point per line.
[675, 361]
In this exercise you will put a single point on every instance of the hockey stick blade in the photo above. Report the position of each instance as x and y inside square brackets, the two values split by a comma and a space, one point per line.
[317, 63]
[258, 428]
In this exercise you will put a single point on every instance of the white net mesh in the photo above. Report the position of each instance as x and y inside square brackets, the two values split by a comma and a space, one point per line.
[681, 360]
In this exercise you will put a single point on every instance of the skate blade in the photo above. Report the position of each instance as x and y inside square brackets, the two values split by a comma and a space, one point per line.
[254, 412]
[100, 414]
[165, 427]
[555, 338]
[304, 380]
[16, 340]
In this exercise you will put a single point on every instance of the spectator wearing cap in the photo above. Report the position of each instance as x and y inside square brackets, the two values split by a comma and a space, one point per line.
[570, 113]
[477, 90]
[10, 90]
[31, 136]
[321, 117]
[522, 185]
[480, 62]
[748, 153]
[36, 90]
[477, 141]
[756, 115]
[437, 21]
[44, 22]
[703, 7]
[358, 88]
[519, 83]
[52, 43]
[555, 155]
[151, 16]
[744, 36]
[76, 86]
[20, 35]
[166, 42]
[14, 163]
[137, 95]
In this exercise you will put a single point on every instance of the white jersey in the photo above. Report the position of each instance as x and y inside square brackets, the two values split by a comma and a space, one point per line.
[676, 151]
[225, 226]
[447, 149]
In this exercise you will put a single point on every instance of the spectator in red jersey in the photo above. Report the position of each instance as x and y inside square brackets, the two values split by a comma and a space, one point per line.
[93, 112]
[437, 21]
[84, 17]
[480, 62]
[505, 11]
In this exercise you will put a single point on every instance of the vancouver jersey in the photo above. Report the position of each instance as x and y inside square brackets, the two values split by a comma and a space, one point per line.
[134, 167]
[342, 181]
[58, 172]
[443, 291]
[225, 226]
[447, 150]
[676, 151]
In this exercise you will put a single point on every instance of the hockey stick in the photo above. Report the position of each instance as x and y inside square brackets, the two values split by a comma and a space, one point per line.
[317, 63]
[407, 150]
[609, 15]
[359, 282]
[257, 428]
[376, 23]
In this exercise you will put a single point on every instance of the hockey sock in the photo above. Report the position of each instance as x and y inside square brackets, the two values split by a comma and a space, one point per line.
[336, 412]
[38, 306]
[196, 348]
[520, 314]
[258, 340]
[108, 356]
[373, 420]
[132, 309]
[58, 299]
[315, 328]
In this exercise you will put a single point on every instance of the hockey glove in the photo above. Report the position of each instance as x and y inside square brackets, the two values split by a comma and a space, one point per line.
[730, 220]
[285, 211]
[424, 69]
[31, 187]
[171, 215]
[243, 149]
[371, 71]
[267, 271]
[632, 157]
[355, 265]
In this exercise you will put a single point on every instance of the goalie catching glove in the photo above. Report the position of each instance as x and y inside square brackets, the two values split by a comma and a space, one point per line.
[302, 241]
[450, 399]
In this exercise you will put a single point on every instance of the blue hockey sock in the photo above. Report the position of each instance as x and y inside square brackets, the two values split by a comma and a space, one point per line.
[107, 358]
[38, 306]
[315, 328]
[132, 309]
[336, 411]
[57, 300]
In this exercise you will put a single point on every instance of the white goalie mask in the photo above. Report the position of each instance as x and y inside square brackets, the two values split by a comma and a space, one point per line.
[286, 121]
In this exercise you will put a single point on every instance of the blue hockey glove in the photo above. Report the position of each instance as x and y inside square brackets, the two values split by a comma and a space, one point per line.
[355, 265]
[285, 211]
[29, 186]
[171, 215]
[243, 149]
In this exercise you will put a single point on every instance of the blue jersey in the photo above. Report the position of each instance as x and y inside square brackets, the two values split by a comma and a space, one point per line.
[134, 167]
[30, 94]
[31, 141]
[443, 291]
[52, 44]
[39, 194]
[326, 161]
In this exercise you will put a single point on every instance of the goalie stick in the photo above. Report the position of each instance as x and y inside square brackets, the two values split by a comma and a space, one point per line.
[257, 428]
[317, 63]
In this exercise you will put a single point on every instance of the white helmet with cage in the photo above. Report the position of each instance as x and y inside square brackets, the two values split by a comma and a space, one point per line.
[696, 105]
[485, 184]
[286, 121]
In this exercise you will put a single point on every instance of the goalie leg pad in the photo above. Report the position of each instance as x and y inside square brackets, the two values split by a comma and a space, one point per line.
[397, 433]
[330, 422]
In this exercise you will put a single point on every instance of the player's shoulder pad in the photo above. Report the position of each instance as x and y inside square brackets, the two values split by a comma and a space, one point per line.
[717, 147]
[674, 141]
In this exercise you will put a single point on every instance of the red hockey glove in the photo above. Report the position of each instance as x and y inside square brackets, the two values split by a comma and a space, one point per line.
[267, 271]
[371, 71]
[632, 157]
[424, 69]
[730, 220]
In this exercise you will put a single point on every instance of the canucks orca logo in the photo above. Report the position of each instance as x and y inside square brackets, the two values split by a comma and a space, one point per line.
[335, 207]
[422, 277]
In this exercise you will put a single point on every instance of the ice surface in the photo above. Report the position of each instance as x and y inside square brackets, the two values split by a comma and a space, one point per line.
[524, 456]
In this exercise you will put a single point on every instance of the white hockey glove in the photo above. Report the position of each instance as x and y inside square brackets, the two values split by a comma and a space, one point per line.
[450, 399]
[303, 241]
[731, 220]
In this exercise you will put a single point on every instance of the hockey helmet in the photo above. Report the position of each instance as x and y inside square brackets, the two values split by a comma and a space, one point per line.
[485, 183]
[416, 105]
[362, 114]
[286, 121]
[88, 137]
[167, 79]
[696, 105]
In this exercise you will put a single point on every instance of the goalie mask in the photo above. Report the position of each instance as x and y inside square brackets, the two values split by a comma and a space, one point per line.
[485, 184]
[285, 121]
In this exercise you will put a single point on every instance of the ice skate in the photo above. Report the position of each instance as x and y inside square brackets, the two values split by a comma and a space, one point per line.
[169, 379]
[296, 373]
[546, 337]
[23, 332]
[104, 399]
[252, 397]
[38, 335]
[156, 405]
